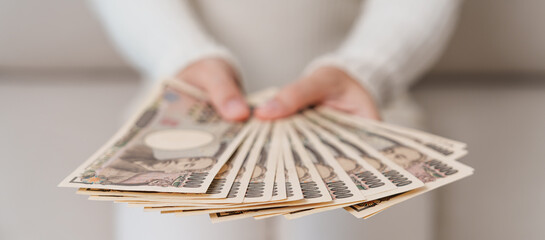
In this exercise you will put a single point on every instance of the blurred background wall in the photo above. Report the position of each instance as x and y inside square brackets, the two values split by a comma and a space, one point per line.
[488, 90]
[493, 36]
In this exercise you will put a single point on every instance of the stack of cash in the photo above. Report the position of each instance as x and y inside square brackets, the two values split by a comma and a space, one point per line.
[177, 156]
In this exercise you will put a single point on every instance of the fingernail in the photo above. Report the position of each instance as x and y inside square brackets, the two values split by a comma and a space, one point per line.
[234, 108]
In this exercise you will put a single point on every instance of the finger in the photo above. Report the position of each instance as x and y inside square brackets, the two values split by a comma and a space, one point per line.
[224, 94]
[355, 102]
[292, 98]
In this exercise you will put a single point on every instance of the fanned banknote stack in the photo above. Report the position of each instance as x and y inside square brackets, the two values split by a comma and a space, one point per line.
[177, 156]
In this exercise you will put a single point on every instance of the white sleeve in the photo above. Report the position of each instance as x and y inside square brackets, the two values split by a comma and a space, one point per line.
[158, 37]
[392, 43]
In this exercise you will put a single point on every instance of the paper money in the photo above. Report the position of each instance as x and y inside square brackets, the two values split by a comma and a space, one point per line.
[397, 175]
[312, 186]
[279, 188]
[261, 185]
[339, 186]
[176, 144]
[293, 186]
[243, 178]
[176, 156]
[223, 182]
[371, 183]
[368, 179]
[449, 149]
[257, 153]
[422, 163]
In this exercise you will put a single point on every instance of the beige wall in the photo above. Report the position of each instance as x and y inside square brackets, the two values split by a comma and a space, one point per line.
[493, 35]
[52, 34]
[498, 36]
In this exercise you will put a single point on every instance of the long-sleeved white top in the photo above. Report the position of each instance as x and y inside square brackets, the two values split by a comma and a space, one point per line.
[385, 44]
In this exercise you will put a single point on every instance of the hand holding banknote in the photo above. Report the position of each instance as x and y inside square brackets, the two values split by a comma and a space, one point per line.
[217, 78]
[178, 156]
[327, 86]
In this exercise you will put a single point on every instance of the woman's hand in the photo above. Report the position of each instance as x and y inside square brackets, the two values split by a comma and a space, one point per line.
[327, 86]
[217, 78]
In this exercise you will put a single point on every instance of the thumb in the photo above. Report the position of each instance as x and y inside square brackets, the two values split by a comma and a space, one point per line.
[226, 97]
[217, 78]
[291, 99]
